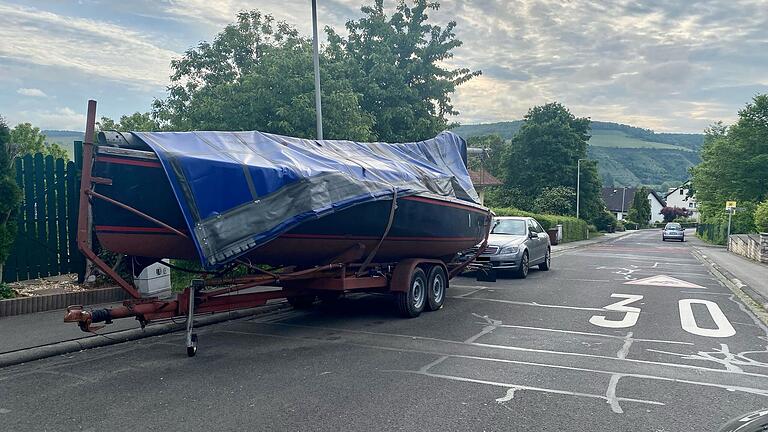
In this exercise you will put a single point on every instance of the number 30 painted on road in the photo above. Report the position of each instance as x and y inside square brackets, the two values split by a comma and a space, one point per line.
[687, 320]
[629, 319]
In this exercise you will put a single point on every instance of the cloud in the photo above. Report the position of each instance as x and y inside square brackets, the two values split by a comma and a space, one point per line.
[64, 118]
[92, 47]
[31, 92]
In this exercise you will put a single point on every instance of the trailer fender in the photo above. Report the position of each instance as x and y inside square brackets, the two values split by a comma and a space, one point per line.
[401, 276]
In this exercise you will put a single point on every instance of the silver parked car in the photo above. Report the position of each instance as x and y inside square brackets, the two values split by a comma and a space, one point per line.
[673, 230]
[517, 243]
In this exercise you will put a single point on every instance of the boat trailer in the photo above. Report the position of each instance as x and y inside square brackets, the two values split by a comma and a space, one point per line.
[417, 284]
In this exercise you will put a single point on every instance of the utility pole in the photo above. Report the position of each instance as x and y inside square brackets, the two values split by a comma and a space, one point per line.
[623, 200]
[578, 185]
[316, 59]
[728, 237]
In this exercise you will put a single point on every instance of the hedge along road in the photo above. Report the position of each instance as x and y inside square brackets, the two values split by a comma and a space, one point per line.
[632, 334]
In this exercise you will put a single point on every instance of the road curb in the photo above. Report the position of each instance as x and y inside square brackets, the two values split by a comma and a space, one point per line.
[584, 243]
[99, 340]
[731, 281]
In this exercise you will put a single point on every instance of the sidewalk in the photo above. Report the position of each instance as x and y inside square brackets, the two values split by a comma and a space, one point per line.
[750, 276]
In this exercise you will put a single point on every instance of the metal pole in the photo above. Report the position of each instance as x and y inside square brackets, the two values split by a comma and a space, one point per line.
[316, 55]
[578, 185]
[728, 237]
[623, 198]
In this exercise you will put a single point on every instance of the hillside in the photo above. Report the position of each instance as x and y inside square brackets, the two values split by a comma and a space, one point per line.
[63, 138]
[626, 155]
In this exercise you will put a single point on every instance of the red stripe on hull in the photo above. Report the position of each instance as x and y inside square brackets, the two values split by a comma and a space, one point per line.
[444, 203]
[121, 161]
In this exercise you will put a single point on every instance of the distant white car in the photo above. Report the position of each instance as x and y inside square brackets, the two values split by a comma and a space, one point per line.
[673, 230]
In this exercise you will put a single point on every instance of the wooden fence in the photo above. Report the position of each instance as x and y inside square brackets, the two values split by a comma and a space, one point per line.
[46, 243]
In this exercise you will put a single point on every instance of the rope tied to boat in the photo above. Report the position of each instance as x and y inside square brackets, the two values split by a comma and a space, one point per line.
[375, 250]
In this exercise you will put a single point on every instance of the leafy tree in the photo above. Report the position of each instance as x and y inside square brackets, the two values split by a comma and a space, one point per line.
[504, 196]
[257, 74]
[545, 151]
[496, 152]
[761, 216]
[135, 122]
[557, 200]
[11, 196]
[397, 65]
[28, 139]
[673, 213]
[640, 209]
[734, 163]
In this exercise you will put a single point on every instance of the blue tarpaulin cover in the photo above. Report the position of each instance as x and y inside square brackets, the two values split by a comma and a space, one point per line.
[239, 190]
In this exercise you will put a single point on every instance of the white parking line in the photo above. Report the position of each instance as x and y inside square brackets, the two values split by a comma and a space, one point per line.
[519, 303]
[592, 334]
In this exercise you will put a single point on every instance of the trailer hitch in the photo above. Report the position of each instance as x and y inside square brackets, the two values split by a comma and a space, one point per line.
[85, 319]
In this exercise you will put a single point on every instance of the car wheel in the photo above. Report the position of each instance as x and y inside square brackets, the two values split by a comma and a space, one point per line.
[411, 303]
[547, 264]
[522, 271]
[437, 283]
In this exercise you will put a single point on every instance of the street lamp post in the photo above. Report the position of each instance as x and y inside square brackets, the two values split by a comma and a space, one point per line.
[316, 60]
[578, 184]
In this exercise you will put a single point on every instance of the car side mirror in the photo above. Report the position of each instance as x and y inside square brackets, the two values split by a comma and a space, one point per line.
[532, 234]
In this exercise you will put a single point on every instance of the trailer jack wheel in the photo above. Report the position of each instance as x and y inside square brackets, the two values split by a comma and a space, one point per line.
[192, 345]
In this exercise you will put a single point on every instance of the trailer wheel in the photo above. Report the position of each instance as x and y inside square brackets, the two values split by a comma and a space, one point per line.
[437, 283]
[411, 303]
[301, 302]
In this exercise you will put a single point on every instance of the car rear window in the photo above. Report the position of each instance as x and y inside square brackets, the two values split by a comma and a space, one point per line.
[673, 226]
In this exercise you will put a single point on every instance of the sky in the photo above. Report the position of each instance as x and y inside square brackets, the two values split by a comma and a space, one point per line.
[667, 65]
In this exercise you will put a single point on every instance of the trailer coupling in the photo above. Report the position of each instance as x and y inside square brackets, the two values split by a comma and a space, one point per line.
[86, 319]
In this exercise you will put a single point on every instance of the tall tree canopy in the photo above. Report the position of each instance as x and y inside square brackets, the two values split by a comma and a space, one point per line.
[257, 75]
[397, 66]
[545, 152]
[384, 81]
[734, 162]
[640, 209]
[134, 122]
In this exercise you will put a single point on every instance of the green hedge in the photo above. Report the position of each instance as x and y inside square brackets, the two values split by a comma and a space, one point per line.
[573, 229]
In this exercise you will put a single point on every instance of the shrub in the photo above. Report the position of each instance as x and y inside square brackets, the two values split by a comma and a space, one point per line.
[761, 216]
[573, 229]
[6, 292]
[604, 220]
[558, 200]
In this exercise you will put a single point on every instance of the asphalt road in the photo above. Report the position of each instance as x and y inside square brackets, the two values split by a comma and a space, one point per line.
[586, 346]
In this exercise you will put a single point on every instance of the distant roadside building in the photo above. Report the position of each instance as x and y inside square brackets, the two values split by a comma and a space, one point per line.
[678, 197]
[482, 179]
[618, 200]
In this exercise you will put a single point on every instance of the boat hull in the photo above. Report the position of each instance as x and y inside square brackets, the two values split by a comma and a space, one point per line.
[423, 226]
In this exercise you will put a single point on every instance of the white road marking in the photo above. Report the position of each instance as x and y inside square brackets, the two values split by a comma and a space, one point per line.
[664, 281]
[593, 334]
[508, 397]
[631, 313]
[448, 341]
[524, 387]
[492, 324]
[471, 292]
[526, 303]
[610, 394]
[688, 321]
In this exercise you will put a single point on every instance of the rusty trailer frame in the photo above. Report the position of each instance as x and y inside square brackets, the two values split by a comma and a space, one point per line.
[211, 294]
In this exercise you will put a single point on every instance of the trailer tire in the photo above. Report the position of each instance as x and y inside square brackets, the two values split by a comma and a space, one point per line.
[437, 283]
[411, 303]
[301, 302]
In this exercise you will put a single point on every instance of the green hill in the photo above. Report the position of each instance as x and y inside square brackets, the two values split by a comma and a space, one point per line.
[64, 138]
[626, 155]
